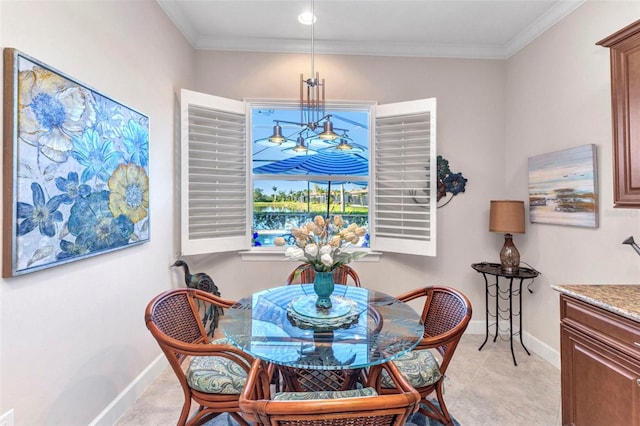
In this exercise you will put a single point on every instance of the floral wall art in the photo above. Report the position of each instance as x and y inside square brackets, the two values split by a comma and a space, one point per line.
[76, 169]
[450, 183]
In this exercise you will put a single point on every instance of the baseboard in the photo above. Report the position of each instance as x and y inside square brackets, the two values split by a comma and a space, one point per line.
[534, 344]
[131, 393]
[543, 350]
[475, 327]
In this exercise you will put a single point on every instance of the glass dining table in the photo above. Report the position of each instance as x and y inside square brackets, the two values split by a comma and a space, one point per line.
[363, 327]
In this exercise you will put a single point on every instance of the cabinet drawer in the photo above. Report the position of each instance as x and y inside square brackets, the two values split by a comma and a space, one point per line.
[615, 330]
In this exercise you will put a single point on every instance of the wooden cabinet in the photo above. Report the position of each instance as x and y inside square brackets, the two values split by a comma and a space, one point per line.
[600, 363]
[625, 100]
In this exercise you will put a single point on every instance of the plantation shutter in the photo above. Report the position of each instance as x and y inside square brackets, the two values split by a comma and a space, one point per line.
[404, 219]
[214, 176]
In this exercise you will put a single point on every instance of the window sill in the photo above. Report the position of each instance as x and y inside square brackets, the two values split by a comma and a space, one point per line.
[263, 255]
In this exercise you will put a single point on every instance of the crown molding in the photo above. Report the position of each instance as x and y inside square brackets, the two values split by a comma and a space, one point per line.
[551, 17]
[173, 11]
[351, 48]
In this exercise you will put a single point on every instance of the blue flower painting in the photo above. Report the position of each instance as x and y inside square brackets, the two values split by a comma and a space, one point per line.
[80, 162]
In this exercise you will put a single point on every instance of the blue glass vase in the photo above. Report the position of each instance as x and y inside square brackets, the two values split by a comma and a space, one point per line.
[323, 286]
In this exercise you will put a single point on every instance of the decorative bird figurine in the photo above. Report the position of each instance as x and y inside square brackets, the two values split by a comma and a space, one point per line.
[202, 281]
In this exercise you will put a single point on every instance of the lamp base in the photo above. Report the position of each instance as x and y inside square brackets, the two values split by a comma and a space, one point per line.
[509, 256]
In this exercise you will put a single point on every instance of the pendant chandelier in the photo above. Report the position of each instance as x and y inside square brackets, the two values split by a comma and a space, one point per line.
[345, 144]
[313, 116]
[301, 147]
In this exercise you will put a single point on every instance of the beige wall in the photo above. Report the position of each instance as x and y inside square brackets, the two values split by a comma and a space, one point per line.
[73, 337]
[558, 96]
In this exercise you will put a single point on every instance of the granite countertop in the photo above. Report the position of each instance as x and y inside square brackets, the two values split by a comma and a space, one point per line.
[620, 299]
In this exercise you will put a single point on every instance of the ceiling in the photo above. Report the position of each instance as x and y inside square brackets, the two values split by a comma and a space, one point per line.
[426, 28]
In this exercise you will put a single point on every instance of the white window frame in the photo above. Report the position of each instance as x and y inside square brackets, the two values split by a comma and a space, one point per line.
[404, 226]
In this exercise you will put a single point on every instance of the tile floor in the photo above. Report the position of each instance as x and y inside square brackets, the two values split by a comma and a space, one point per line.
[484, 389]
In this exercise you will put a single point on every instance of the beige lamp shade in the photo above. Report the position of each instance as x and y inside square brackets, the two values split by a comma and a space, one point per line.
[506, 216]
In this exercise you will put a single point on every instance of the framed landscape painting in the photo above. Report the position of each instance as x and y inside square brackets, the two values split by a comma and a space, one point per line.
[76, 169]
[563, 187]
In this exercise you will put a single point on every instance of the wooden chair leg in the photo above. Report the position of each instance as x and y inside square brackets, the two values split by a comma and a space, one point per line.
[184, 414]
[240, 419]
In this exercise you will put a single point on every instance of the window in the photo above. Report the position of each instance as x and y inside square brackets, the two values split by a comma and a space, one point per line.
[305, 176]
[216, 175]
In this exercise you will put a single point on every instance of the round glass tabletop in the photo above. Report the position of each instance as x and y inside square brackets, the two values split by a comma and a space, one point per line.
[363, 328]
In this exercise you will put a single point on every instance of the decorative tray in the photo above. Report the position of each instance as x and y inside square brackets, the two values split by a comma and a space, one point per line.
[302, 312]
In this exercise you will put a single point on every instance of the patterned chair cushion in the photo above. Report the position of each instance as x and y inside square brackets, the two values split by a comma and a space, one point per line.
[215, 374]
[419, 367]
[298, 396]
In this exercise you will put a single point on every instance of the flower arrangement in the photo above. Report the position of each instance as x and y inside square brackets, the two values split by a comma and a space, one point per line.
[321, 243]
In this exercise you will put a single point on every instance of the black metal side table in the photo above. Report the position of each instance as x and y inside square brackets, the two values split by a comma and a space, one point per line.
[495, 270]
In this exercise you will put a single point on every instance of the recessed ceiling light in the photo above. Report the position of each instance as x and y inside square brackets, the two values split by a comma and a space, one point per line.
[307, 18]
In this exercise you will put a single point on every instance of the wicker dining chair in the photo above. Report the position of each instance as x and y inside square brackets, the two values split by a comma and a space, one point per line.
[357, 407]
[446, 313]
[216, 371]
[304, 273]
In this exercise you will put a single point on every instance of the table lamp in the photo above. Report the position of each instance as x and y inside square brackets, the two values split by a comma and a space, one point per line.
[507, 216]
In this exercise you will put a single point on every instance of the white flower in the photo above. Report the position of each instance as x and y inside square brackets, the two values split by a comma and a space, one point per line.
[295, 253]
[320, 243]
[52, 110]
[311, 250]
[326, 259]
[325, 250]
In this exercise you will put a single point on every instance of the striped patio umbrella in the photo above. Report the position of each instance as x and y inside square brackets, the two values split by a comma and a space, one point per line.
[323, 163]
